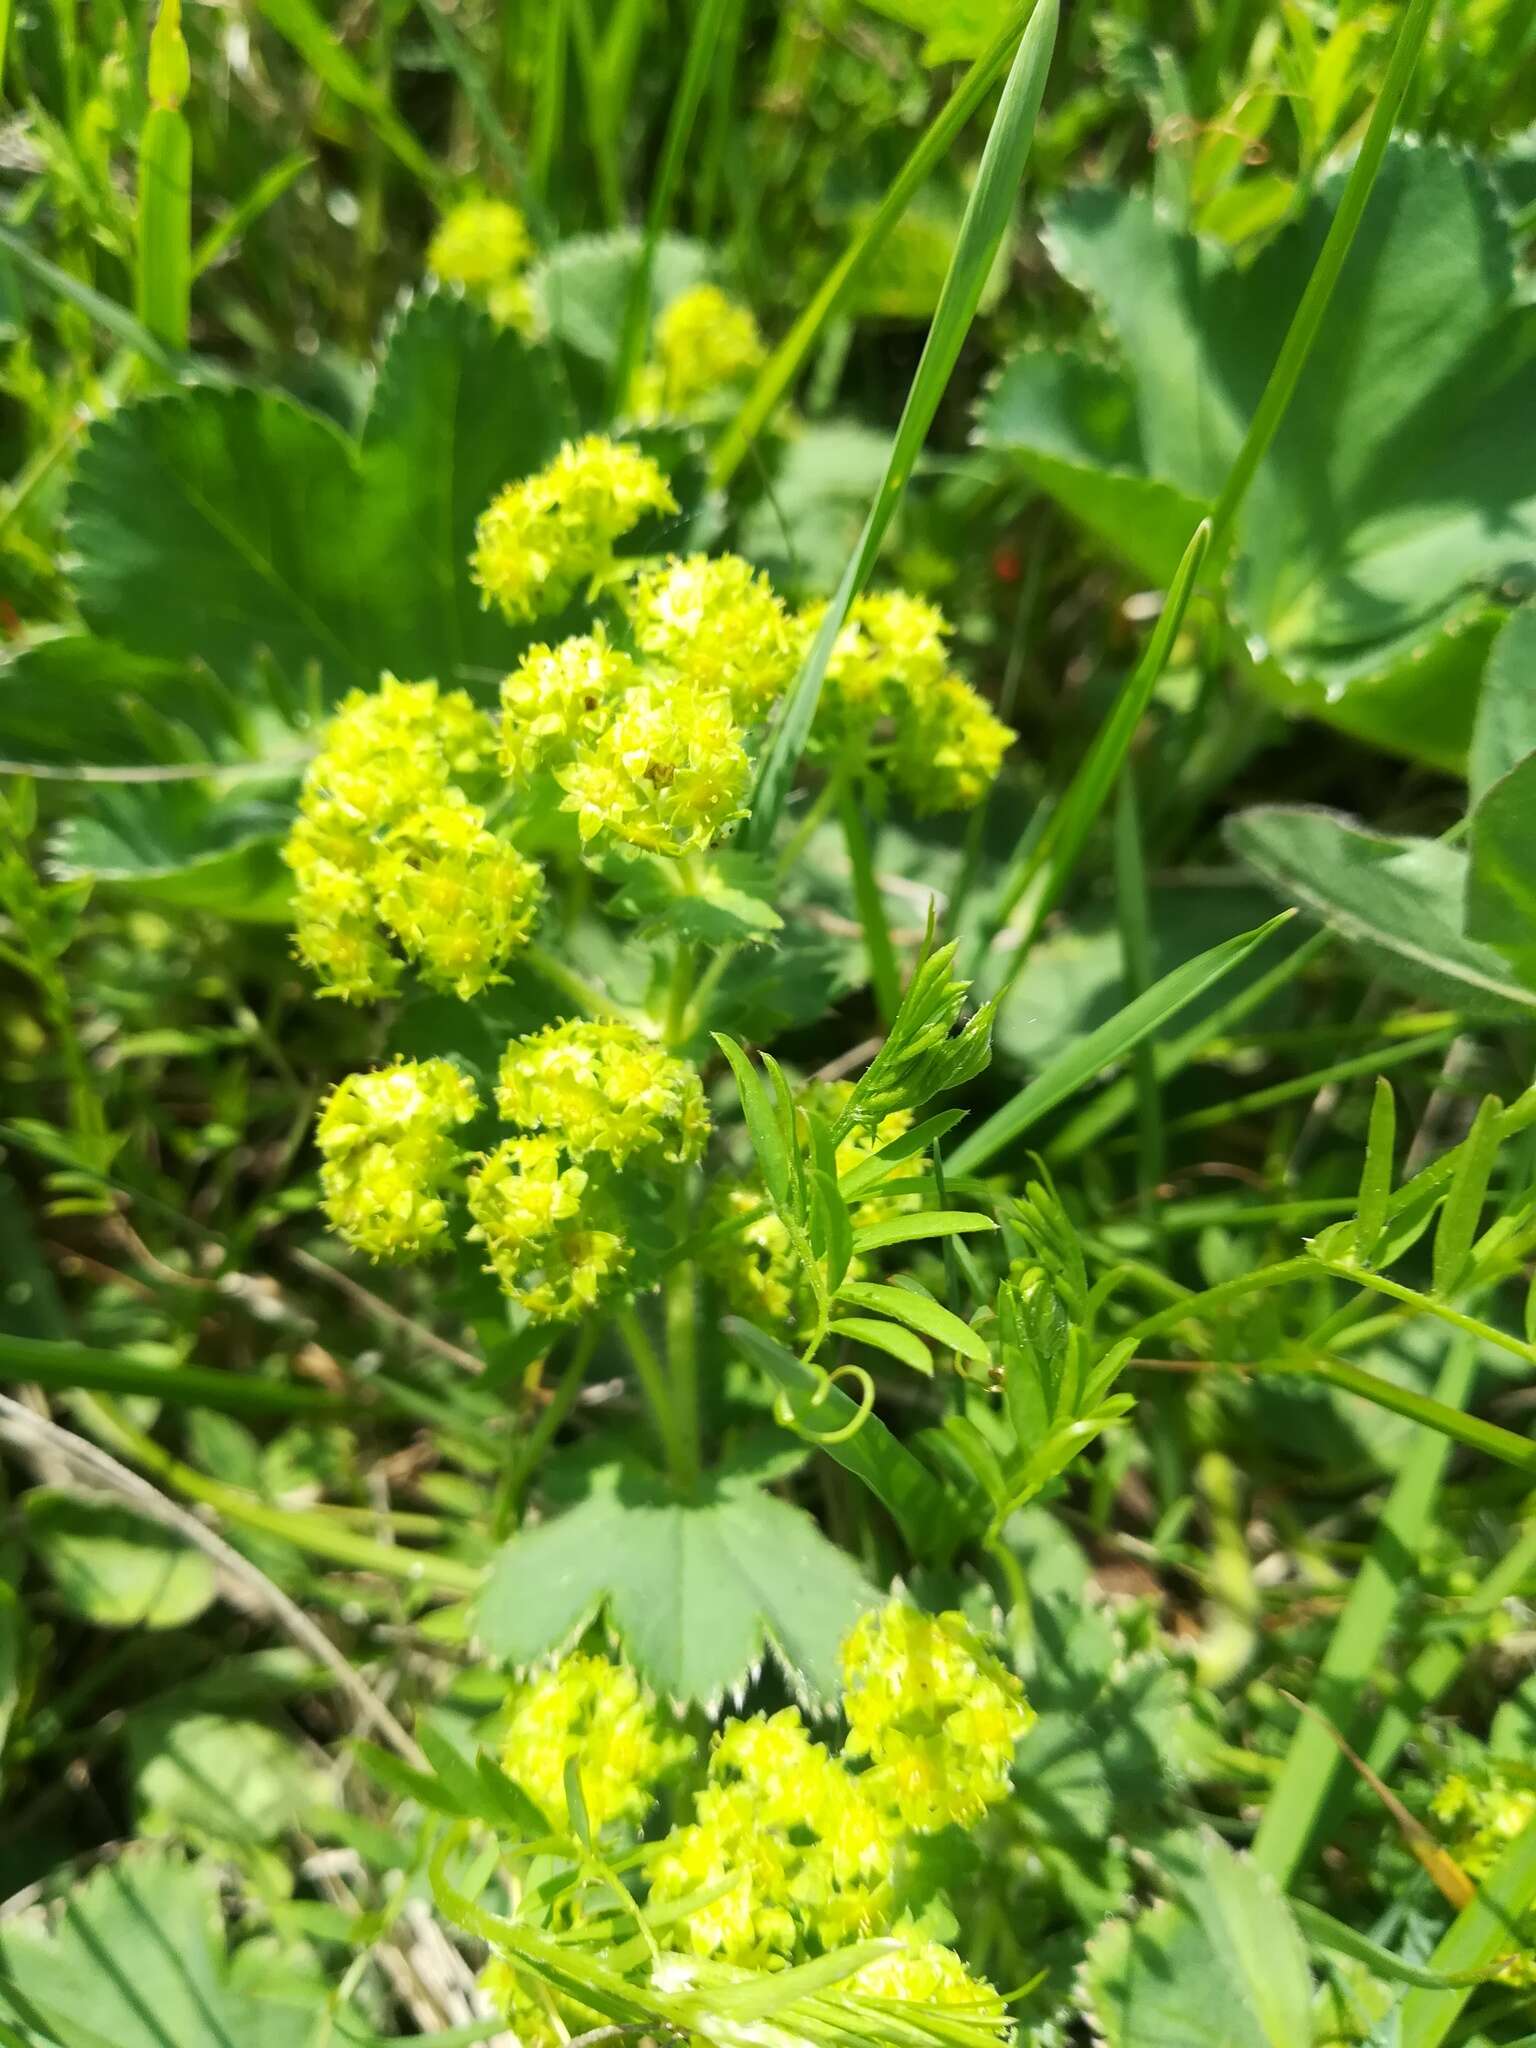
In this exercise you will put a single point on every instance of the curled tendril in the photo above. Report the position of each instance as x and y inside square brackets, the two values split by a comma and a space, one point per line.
[785, 1416]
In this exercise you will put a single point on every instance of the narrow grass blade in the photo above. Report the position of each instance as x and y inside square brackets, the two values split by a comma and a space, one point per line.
[782, 367]
[266, 192]
[1116, 1102]
[1376, 1174]
[1313, 1763]
[102, 312]
[466, 68]
[164, 225]
[1491, 1438]
[1077, 1066]
[884, 974]
[987, 214]
[62, 1367]
[1478, 1936]
[1332, 1934]
[1464, 1204]
[1308, 317]
[1034, 880]
[1134, 912]
[685, 106]
[316, 41]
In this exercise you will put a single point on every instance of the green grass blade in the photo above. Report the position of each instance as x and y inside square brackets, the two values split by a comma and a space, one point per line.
[1490, 1438]
[1134, 913]
[266, 192]
[62, 1367]
[164, 282]
[1313, 1763]
[987, 214]
[786, 361]
[102, 312]
[465, 66]
[316, 41]
[1076, 1067]
[1332, 1934]
[685, 106]
[1376, 1174]
[1308, 317]
[1483, 1931]
[1458, 1222]
[1033, 882]
[884, 973]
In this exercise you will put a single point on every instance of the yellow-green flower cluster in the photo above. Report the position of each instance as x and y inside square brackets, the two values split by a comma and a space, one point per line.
[1486, 1813]
[652, 761]
[545, 536]
[592, 1713]
[706, 344]
[803, 1852]
[928, 1974]
[484, 245]
[890, 667]
[559, 700]
[937, 1717]
[388, 845]
[791, 1852]
[388, 1154]
[717, 623]
[604, 1088]
[544, 1228]
[668, 774]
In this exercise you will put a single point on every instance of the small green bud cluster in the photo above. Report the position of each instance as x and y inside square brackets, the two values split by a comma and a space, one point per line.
[484, 246]
[388, 1154]
[543, 538]
[890, 667]
[601, 1094]
[793, 1851]
[707, 344]
[389, 846]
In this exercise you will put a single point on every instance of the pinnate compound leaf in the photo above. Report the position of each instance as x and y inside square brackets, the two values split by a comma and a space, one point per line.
[135, 1957]
[696, 1587]
[1223, 1967]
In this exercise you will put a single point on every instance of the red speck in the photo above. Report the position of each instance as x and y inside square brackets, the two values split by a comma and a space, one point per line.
[1006, 564]
[10, 619]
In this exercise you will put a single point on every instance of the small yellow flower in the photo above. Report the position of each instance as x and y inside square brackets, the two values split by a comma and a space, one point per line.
[535, 1217]
[388, 1154]
[810, 1855]
[889, 671]
[706, 343]
[928, 1974]
[716, 622]
[559, 698]
[458, 898]
[604, 1088]
[669, 773]
[545, 536]
[1487, 1813]
[480, 243]
[592, 1713]
[937, 1717]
